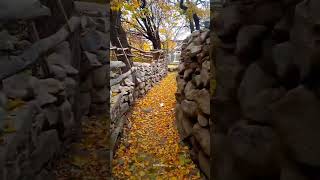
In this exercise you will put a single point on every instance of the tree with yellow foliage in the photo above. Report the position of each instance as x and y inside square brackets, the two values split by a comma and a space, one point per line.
[194, 13]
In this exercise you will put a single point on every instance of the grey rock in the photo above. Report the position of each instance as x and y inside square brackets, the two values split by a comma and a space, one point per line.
[39, 124]
[47, 148]
[248, 38]
[254, 81]
[184, 128]
[305, 51]
[91, 41]
[181, 83]
[181, 68]
[45, 98]
[228, 69]
[50, 85]
[99, 76]
[204, 77]
[261, 13]
[202, 120]
[66, 115]
[116, 88]
[63, 60]
[194, 50]
[257, 109]
[92, 60]
[295, 117]
[197, 80]
[19, 86]
[190, 91]
[190, 108]
[204, 163]
[203, 100]
[52, 114]
[70, 86]
[229, 22]
[124, 107]
[187, 74]
[64, 50]
[255, 146]
[58, 72]
[283, 59]
[203, 137]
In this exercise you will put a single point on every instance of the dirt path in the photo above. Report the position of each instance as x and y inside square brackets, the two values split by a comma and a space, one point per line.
[151, 148]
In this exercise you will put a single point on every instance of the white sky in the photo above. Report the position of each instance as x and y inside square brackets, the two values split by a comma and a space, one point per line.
[183, 34]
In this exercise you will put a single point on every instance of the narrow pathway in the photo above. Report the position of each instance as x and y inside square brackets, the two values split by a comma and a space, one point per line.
[151, 147]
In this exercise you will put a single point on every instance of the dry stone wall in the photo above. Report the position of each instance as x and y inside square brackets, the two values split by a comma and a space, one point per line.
[266, 106]
[193, 98]
[38, 114]
[124, 93]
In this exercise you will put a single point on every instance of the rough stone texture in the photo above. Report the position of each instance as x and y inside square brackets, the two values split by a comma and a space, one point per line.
[193, 97]
[39, 114]
[266, 105]
[124, 94]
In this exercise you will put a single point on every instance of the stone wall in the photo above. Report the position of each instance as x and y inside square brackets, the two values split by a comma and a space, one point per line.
[124, 93]
[266, 123]
[38, 114]
[193, 98]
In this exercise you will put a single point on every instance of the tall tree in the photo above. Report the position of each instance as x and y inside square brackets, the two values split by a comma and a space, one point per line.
[145, 16]
[193, 13]
[119, 32]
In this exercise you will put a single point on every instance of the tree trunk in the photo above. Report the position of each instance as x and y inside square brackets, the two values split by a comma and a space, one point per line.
[118, 31]
[196, 20]
[191, 25]
[156, 43]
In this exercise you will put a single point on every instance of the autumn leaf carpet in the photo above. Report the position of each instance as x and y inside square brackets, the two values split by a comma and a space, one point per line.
[151, 148]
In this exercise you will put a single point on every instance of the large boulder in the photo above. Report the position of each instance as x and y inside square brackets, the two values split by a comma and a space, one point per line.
[296, 119]
[254, 81]
[203, 137]
[256, 147]
[248, 40]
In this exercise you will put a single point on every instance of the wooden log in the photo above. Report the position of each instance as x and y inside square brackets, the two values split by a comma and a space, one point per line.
[122, 77]
[117, 64]
[15, 64]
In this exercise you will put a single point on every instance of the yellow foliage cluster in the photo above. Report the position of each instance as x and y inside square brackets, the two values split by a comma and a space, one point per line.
[151, 150]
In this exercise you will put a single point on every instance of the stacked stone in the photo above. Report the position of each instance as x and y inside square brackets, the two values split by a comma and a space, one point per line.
[36, 118]
[37, 114]
[95, 67]
[193, 98]
[121, 99]
[266, 123]
[123, 94]
[148, 74]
